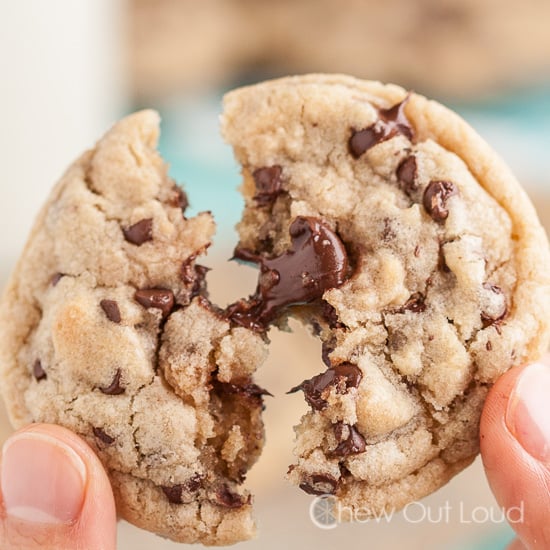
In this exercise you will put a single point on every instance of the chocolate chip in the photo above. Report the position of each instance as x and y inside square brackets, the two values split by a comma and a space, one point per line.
[396, 340]
[173, 493]
[320, 484]
[199, 286]
[326, 349]
[435, 199]
[496, 316]
[158, 298]
[194, 275]
[315, 262]
[114, 388]
[391, 122]
[38, 372]
[140, 232]
[179, 199]
[329, 315]
[363, 140]
[268, 184]
[316, 328]
[416, 304]
[316, 389]
[110, 307]
[489, 346]
[194, 483]
[101, 435]
[226, 498]
[247, 390]
[56, 278]
[406, 174]
[246, 255]
[350, 441]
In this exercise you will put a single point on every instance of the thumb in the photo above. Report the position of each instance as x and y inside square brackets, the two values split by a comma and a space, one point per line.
[55, 493]
[515, 447]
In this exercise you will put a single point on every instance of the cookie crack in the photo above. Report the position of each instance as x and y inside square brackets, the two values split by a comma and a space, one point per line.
[411, 385]
[141, 456]
[88, 180]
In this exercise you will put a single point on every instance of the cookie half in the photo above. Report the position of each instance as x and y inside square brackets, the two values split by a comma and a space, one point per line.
[388, 226]
[107, 329]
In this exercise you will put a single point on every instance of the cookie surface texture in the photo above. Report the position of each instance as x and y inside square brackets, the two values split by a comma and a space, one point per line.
[445, 285]
[106, 329]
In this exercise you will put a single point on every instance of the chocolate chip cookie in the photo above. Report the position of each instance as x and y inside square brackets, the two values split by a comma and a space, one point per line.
[389, 227]
[377, 217]
[107, 329]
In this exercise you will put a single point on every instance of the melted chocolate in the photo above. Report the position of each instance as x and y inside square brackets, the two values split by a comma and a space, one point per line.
[350, 441]
[391, 122]
[158, 298]
[140, 232]
[114, 388]
[435, 199]
[206, 304]
[247, 390]
[326, 349]
[268, 184]
[315, 262]
[330, 316]
[316, 389]
[110, 308]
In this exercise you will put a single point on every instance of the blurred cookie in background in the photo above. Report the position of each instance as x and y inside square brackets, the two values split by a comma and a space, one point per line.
[445, 48]
[183, 45]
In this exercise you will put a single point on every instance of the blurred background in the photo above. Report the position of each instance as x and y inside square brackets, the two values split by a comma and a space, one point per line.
[70, 69]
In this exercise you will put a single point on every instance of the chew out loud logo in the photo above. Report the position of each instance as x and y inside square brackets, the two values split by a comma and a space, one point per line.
[326, 512]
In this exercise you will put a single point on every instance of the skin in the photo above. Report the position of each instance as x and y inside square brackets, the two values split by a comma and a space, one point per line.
[514, 475]
[95, 526]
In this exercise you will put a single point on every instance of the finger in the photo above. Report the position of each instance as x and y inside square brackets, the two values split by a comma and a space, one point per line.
[515, 446]
[55, 493]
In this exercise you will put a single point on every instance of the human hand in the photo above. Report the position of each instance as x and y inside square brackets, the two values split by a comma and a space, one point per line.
[55, 493]
[515, 447]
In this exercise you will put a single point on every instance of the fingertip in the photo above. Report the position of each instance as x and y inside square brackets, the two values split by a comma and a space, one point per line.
[511, 445]
[55, 491]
